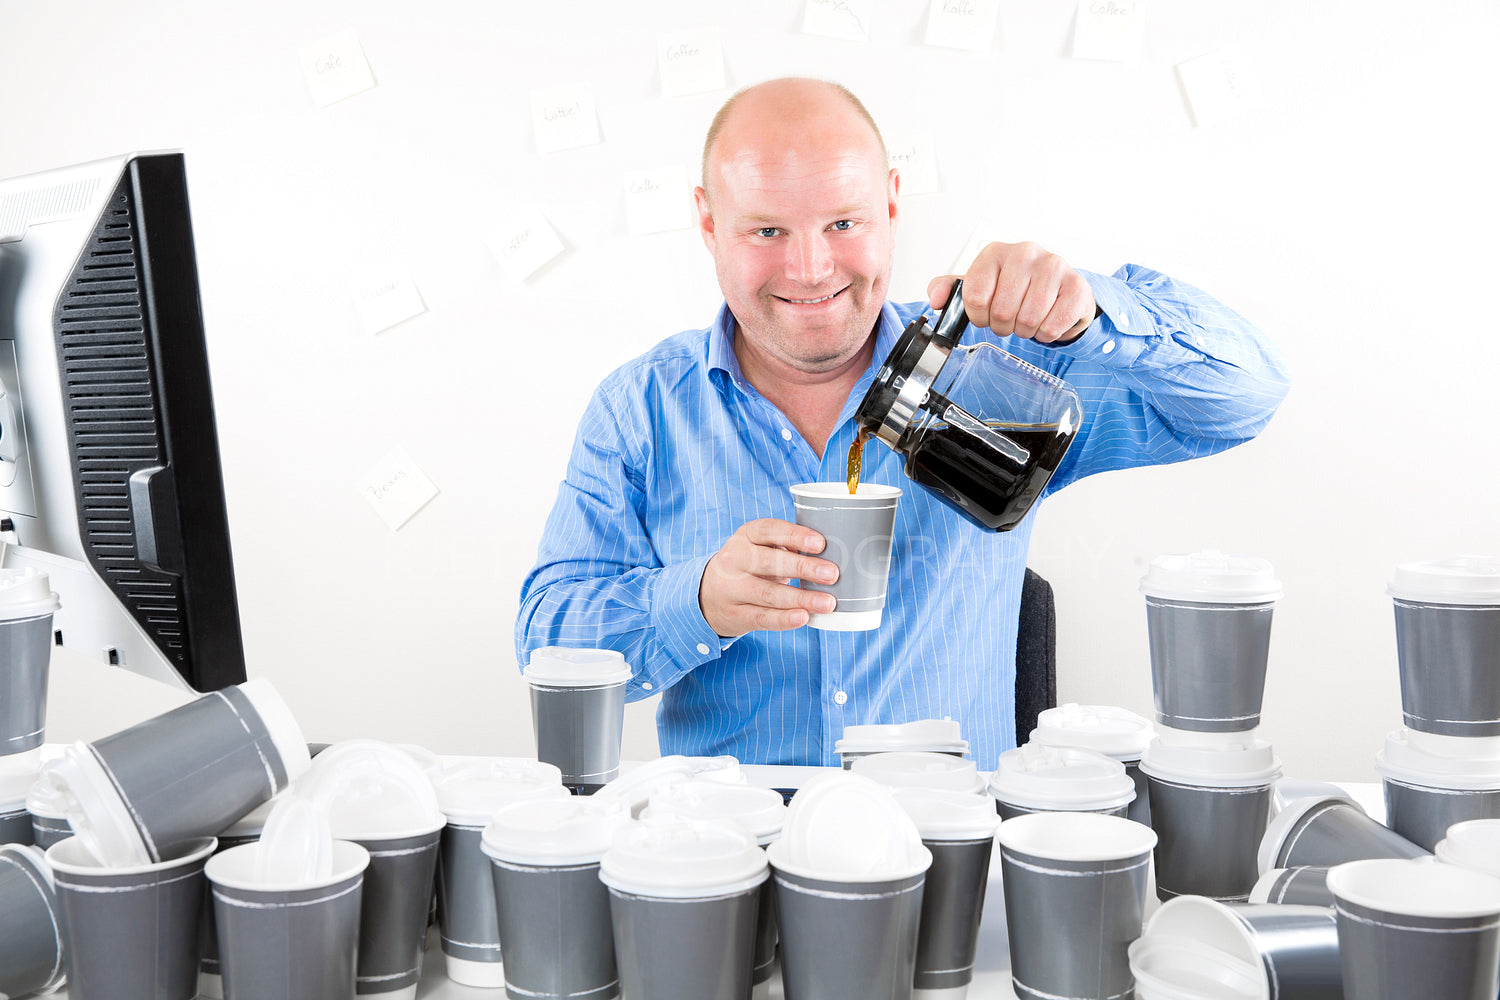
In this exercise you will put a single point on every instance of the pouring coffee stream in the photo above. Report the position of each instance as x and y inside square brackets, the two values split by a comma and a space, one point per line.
[981, 429]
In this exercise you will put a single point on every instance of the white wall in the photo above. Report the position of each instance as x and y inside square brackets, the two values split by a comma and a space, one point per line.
[1352, 214]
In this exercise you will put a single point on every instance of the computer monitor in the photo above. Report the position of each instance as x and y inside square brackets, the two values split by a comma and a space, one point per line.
[109, 459]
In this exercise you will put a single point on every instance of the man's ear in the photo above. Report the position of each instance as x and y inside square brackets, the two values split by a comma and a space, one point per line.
[893, 189]
[705, 217]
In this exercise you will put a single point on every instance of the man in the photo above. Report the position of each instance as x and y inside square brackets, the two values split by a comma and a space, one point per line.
[672, 538]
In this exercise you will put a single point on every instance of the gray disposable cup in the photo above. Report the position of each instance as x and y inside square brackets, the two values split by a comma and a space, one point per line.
[1208, 837]
[952, 903]
[210, 975]
[394, 907]
[31, 942]
[766, 935]
[579, 730]
[1197, 947]
[848, 940]
[1422, 814]
[555, 923]
[1446, 656]
[15, 825]
[1009, 810]
[1208, 663]
[1306, 885]
[1140, 806]
[48, 830]
[1070, 922]
[130, 932]
[711, 941]
[25, 653]
[1298, 946]
[1388, 952]
[1331, 831]
[283, 942]
[192, 771]
[858, 530]
[470, 931]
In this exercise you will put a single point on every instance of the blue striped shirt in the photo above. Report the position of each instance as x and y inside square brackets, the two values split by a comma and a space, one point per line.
[677, 450]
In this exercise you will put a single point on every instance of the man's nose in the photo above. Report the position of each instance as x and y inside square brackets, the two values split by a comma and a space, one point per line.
[810, 260]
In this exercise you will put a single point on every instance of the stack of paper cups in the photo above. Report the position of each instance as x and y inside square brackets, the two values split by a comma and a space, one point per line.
[1114, 732]
[1444, 767]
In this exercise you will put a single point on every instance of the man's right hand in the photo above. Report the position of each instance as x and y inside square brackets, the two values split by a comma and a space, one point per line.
[745, 586]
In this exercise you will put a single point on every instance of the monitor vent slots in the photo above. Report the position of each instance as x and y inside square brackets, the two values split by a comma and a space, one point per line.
[110, 403]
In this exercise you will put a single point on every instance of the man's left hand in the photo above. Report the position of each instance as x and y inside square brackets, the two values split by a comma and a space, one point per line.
[1023, 290]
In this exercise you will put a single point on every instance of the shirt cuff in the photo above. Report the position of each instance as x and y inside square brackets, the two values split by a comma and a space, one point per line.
[678, 618]
[1117, 336]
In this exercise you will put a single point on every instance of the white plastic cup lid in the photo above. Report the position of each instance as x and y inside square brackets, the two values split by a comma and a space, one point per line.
[1076, 836]
[374, 790]
[636, 785]
[469, 793]
[724, 769]
[921, 768]
[556, 666]
[575, 830]
[1036, 776]
[1247, 762]
[941, 735]
[672, 857]
[1416, 887]
[1211, 577]
[1457, 580]
[1114, 732]
[847, 828]
[1473, 843]
[1414, 761]
[1194, 948]
[25, 593]
[943, 814]
[761, 811]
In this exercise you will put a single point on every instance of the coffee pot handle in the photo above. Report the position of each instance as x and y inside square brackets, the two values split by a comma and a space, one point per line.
[951, 323]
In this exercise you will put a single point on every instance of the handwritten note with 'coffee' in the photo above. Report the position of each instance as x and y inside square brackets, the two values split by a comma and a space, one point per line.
[564, 118]
[691, 62]
[846, 19]
[396, 489]
[658, 200]
[522, 242]
[1111, 30]
[385, 295]
[962, 24]
[1219, 86]
[336, 68]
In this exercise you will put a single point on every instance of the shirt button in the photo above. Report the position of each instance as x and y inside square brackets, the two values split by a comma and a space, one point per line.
[1109, 346]
[703, 648]
[786, 435]
[840, 697]
[645, 685]
[1123, 322]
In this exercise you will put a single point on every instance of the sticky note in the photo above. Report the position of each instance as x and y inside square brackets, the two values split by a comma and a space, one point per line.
[913, 154]
[1219, 86]
[846, 19]
[691, 62]
[522, 242]
[336, 68]
[384, 295]
[658, 200]
[1111, 30]
[564, 118]
[962, 24]
[396, 488]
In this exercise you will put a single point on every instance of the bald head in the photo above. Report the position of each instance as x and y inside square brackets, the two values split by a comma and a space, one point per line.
[774, 114]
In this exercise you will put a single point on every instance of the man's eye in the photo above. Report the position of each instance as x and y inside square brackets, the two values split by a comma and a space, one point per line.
[766, 233]
[843, 225]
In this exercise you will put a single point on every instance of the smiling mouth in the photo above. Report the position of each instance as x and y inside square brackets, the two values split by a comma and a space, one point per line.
[811, 302]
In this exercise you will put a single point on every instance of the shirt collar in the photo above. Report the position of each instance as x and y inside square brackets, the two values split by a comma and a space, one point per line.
[721, 356]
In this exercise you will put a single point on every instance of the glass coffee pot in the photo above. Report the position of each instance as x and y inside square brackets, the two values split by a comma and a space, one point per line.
[980, 428]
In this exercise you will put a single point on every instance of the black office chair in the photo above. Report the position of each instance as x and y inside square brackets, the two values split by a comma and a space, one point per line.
[1036, 654]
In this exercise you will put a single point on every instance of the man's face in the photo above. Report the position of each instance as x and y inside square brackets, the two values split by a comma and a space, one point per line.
[802, 235]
